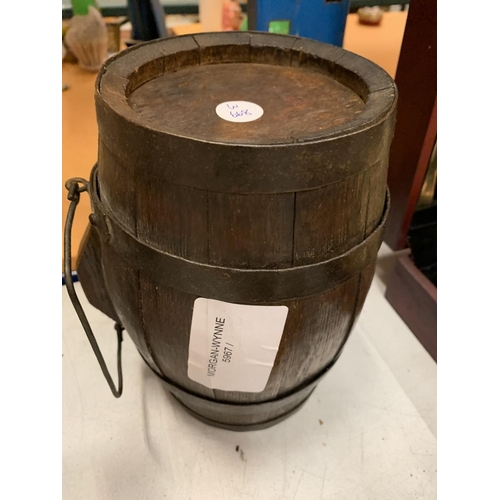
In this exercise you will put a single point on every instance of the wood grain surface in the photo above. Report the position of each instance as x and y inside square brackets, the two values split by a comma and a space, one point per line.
[297, 99]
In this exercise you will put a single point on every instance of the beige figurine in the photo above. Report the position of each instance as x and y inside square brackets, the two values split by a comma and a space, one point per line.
[370, 15]
[87, 38]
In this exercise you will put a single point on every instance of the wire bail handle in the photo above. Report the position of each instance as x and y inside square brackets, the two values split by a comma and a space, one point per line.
[75, 186]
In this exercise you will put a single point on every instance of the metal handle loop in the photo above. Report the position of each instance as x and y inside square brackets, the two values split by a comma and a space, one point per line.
[75, 186]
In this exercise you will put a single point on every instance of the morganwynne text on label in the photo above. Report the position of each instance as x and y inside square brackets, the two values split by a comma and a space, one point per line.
[232, 346]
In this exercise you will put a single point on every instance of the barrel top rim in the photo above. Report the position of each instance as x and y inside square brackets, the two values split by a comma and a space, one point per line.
[380, 99]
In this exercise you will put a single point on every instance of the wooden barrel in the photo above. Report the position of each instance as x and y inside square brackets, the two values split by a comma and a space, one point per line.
[239, 203]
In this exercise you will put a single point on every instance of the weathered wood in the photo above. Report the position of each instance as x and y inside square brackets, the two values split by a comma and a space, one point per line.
[287, 209]
[114, 191]
[365, 281]
[251, 231]
[271, 49]
[166, 315]
[330, 220]
[216, 48]
[90, 273]
[172, 218]
[186, 101]
[313, 336]
[375, 187]
[123, 285]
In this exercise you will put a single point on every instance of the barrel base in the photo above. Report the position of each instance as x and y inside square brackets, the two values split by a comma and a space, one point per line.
[241, 416]
[242, 427]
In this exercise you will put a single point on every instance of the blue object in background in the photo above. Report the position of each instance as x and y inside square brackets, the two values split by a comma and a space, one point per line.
[74, 278]
[322, 20]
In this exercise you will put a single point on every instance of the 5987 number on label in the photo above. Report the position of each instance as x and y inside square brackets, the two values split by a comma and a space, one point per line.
[226, 356]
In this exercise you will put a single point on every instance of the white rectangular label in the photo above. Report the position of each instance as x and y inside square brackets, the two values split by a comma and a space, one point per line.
[232, 346]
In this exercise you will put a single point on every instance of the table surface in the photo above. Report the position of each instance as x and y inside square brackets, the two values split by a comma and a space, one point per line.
[381, 44]
[368, 432]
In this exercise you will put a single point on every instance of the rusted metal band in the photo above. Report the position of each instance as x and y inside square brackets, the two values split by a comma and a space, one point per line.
[244, 286]
[222, 413]
[245, 426]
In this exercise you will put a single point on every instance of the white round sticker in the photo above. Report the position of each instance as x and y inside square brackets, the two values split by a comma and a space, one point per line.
[239, 111]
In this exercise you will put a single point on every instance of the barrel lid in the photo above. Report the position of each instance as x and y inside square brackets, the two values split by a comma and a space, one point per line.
[249, 88]
[246, 98]
[244, 102]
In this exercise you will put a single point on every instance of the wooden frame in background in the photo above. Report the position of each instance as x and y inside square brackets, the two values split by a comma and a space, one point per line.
[411, 294]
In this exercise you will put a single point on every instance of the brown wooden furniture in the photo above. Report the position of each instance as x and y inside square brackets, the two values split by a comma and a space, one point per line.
[416, 127]
[408, 290]
[414, 298]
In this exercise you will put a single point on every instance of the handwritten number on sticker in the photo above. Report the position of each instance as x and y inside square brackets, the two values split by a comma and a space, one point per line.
[239, 111]
[237, 114]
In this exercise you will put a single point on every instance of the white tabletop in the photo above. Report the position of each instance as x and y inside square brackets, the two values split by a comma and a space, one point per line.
[367, 432]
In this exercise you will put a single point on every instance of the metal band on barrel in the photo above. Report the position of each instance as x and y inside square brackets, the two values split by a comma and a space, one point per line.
[290, 402]
[244, 286]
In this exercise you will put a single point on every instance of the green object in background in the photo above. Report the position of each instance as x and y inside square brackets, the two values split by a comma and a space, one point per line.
[81, 7]
[244, 24]
[280, 27]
